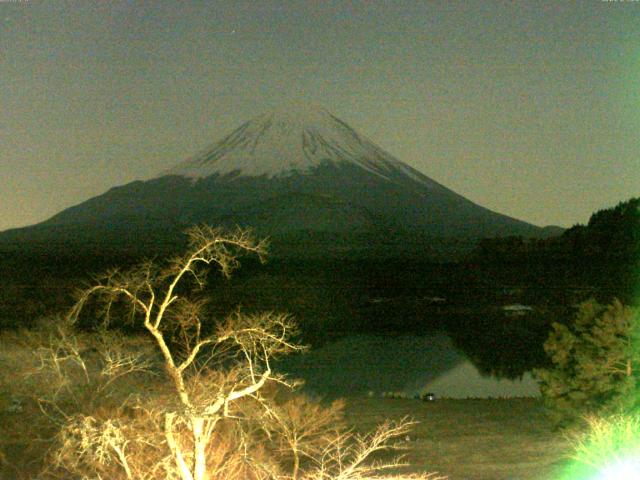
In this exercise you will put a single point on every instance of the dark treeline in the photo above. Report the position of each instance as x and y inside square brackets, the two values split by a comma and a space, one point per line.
[603, 256]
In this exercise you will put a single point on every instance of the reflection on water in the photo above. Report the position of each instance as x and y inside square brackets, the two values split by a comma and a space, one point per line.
[410, 364]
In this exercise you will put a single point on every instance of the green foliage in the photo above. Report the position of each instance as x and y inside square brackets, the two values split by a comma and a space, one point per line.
[594, 362]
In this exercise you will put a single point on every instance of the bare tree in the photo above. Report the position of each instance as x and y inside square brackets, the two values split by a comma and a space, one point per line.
[152, 295]
[219, 418]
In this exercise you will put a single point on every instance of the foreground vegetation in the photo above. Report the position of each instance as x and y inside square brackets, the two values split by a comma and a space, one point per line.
[476, 439]
[593, 363]
[194, 399]
[472, 439]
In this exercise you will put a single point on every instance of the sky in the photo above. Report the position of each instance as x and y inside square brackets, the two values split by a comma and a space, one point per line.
[531, 109]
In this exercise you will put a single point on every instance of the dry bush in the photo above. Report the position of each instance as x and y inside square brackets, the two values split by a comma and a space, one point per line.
[19, 425]
[54, 375]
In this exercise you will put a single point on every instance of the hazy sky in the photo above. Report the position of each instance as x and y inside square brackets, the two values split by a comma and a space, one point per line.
[529, 108]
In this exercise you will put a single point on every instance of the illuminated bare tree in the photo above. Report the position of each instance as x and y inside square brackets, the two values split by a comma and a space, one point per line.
[153, 297]
[221, 412]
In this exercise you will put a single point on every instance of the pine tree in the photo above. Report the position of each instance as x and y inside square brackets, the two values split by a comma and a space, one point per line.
[595, 363]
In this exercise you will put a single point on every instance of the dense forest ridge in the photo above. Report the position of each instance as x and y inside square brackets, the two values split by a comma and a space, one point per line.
[605, 252]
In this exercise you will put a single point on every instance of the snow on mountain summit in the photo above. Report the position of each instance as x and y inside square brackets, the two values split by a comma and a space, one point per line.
[292, 139]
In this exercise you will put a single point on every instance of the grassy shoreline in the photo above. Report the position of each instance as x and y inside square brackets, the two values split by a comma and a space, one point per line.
[474, 439]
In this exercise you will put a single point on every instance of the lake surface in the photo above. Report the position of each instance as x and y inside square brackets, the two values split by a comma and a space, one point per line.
[410, 365]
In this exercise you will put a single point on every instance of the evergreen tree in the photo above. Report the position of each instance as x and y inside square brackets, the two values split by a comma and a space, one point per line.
[595, 363]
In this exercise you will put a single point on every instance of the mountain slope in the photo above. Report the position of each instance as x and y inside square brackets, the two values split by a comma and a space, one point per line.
[296, 169]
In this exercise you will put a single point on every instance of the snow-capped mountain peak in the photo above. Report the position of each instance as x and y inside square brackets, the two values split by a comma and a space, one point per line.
[295, 138]
[295, 169]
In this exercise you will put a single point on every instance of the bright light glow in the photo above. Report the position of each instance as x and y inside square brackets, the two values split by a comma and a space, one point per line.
[610, 450]
[623, 469]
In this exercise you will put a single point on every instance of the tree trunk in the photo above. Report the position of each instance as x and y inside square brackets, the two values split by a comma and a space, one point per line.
[183, 468]
[199, 445]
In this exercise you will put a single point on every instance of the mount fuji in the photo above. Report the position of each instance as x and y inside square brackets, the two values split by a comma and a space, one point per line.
[298, 170]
